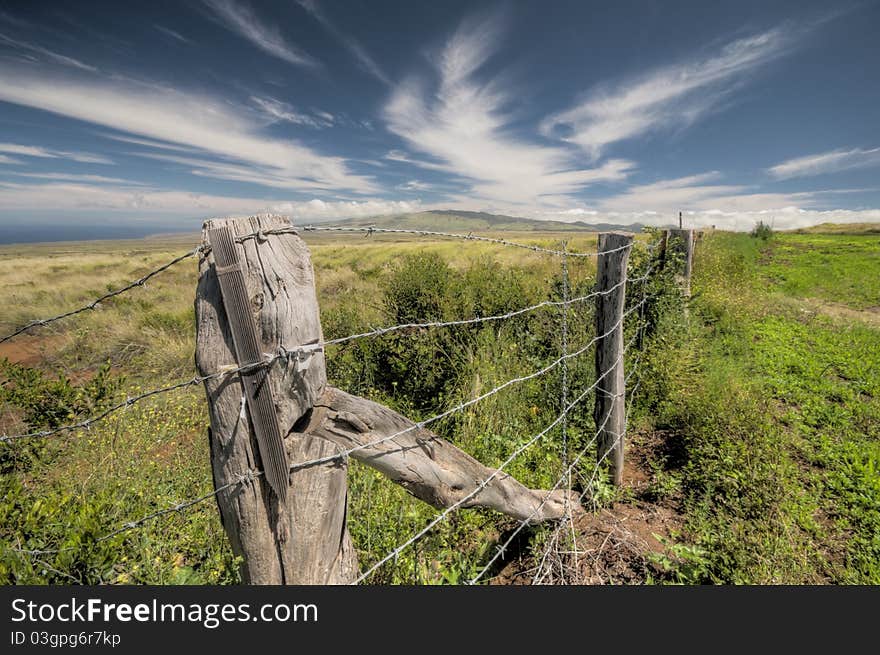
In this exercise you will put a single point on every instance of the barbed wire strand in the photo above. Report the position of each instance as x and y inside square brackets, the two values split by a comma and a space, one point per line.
[429, 233]
[470, 321]
[564, 389]
[540, 573]
[282, 354]
[460, 407]
[141, 281]
[628, 394]
[342, 455]
[251, 475]
[482, 485]
[503, 547]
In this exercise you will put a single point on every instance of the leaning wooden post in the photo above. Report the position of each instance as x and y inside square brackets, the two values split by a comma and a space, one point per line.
[682, 242]
[255, 302]
[609, 412]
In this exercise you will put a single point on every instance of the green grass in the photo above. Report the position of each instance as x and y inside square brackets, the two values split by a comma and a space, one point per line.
[776, 407]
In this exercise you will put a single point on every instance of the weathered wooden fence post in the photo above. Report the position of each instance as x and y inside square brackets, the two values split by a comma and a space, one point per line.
[610, 412]
[280, 435]
[256, 298]
[682, 242]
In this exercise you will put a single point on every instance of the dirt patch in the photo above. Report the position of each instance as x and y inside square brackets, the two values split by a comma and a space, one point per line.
[615, 545]
[869, 316]
[612, 546]
[30, 350]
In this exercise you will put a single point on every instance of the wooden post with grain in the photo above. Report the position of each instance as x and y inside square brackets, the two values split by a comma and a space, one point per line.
[609, 411]
[298, 534]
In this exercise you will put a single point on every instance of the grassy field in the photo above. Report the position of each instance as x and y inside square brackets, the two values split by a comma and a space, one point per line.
[757, 427]
[772, 412]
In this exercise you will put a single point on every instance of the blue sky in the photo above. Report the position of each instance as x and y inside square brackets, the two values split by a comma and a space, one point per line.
[167, 113]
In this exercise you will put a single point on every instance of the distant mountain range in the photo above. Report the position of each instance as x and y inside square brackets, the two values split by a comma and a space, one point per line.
[465, 221]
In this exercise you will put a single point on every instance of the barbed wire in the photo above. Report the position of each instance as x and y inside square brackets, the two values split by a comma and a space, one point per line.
[588, 487]
[341, 456]
[482, 319]
[283, 353]
[566, 474]
[141, 281]
[262, 234]
[87, 423]
[564, 386]
[446, 512]
[249, 475]
[482, 485]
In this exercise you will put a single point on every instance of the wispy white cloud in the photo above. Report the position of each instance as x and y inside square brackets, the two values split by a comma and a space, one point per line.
[149, 143]
[701, 196]
[237, 172]
[415, 185]
[360, 53]
[70, 196]
[137, 201]
[78, 177]
[826, 162]
[668, 97]
[45, 52]
[207, 124]
[463, 126]
[403, 158]
[9, 160]
[276, 111]
[320, 210]
[177, 36]
[47, 153]
[241, 19]
[669, 195]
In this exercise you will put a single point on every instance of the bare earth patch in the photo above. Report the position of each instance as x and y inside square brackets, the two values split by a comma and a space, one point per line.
[869, 316]
[613, 545]
[30, 350]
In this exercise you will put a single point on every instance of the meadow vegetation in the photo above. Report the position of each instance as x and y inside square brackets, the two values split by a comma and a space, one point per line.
[766, 395]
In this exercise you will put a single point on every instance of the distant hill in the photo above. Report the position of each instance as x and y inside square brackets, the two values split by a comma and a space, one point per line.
[839, 228]
[465, 221]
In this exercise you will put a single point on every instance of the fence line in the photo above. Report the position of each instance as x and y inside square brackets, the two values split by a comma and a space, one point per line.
[248, 476]
[559, 419]
[141, 281]
[269, 360]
